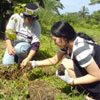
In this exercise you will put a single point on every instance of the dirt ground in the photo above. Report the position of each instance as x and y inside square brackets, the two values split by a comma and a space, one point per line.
[14, 73]
[40, 90]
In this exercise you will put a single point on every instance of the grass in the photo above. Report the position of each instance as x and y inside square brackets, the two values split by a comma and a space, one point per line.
[18, 89]
[94, 33]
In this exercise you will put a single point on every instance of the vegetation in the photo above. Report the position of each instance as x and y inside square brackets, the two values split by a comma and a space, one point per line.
[82, 21]
[94, 2]
[17, 89]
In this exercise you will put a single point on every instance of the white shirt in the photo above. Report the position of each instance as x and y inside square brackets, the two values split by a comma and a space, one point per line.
[26, 33]
[83, 51]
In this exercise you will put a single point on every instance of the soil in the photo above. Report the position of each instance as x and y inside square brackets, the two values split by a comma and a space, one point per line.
[15, 73]
[47, 71]
[61, 69]
[40, 90]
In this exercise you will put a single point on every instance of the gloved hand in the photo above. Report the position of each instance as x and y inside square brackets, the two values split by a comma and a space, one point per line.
[34, 64]
[29, 65]
[65, 77]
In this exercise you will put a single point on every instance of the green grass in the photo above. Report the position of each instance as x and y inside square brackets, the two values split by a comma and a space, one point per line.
[94, 33]
[18, 89]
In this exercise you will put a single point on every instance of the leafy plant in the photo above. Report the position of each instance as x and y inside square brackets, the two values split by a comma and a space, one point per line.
[11, 34]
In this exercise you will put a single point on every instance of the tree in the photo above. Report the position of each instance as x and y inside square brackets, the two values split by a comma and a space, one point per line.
[4, 14]
[73, 18]
[95, 18]
[83, 12]
[53, 5]
[94, 2]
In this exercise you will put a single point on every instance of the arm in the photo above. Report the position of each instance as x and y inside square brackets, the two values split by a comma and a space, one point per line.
[92, 76]
[47, 62]
[11, 50]
[34, 48]
[8, 43]
[51, 61]
[10, 25]
[31, 54]
[28, 58]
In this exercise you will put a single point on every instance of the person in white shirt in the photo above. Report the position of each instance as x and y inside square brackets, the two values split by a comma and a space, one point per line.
[79, 54]
[28, 32]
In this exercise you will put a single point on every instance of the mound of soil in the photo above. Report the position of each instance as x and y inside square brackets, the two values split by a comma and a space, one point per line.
[47, 71]
[15, 73]
[61, 69]
[40, 90]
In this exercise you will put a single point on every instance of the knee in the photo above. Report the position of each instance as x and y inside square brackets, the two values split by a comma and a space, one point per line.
[7, 62]
[66, 60]
[68, 63]
[22, 49]
[7, 59]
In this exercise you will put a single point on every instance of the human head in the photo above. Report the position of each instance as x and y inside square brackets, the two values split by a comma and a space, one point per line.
[64, 30]
[31, 13]
[62, 33]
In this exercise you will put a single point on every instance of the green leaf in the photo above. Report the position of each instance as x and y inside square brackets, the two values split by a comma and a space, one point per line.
[15, 20]
[12, 18]
[11, 34]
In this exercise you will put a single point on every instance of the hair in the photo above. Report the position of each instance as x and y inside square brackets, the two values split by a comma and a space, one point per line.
[65, 30]
[85, 36]
[37, 17]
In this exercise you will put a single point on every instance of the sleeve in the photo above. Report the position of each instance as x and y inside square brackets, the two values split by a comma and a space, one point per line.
[6, 38]
[11, 22]
[83, 56]
[35, 46]
[37, 32]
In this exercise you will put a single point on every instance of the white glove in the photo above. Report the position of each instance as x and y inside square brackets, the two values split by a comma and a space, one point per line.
[34, 64]
[65, 77]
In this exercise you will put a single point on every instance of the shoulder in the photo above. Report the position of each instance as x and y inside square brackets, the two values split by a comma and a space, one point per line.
[81, 52]
[81, 48]
[80, 43]
[15, 17]
[37, 26]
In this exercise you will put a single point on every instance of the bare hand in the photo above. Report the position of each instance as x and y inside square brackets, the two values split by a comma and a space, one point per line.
[24, 62]
[11, 51]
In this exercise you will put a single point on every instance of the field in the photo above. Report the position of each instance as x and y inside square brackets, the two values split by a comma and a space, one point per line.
[42, 80]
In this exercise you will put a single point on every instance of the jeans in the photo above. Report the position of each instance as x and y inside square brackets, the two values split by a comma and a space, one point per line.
[22, 50]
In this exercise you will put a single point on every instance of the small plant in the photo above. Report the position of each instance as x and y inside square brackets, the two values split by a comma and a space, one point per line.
[11, 34]
[20, 8]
